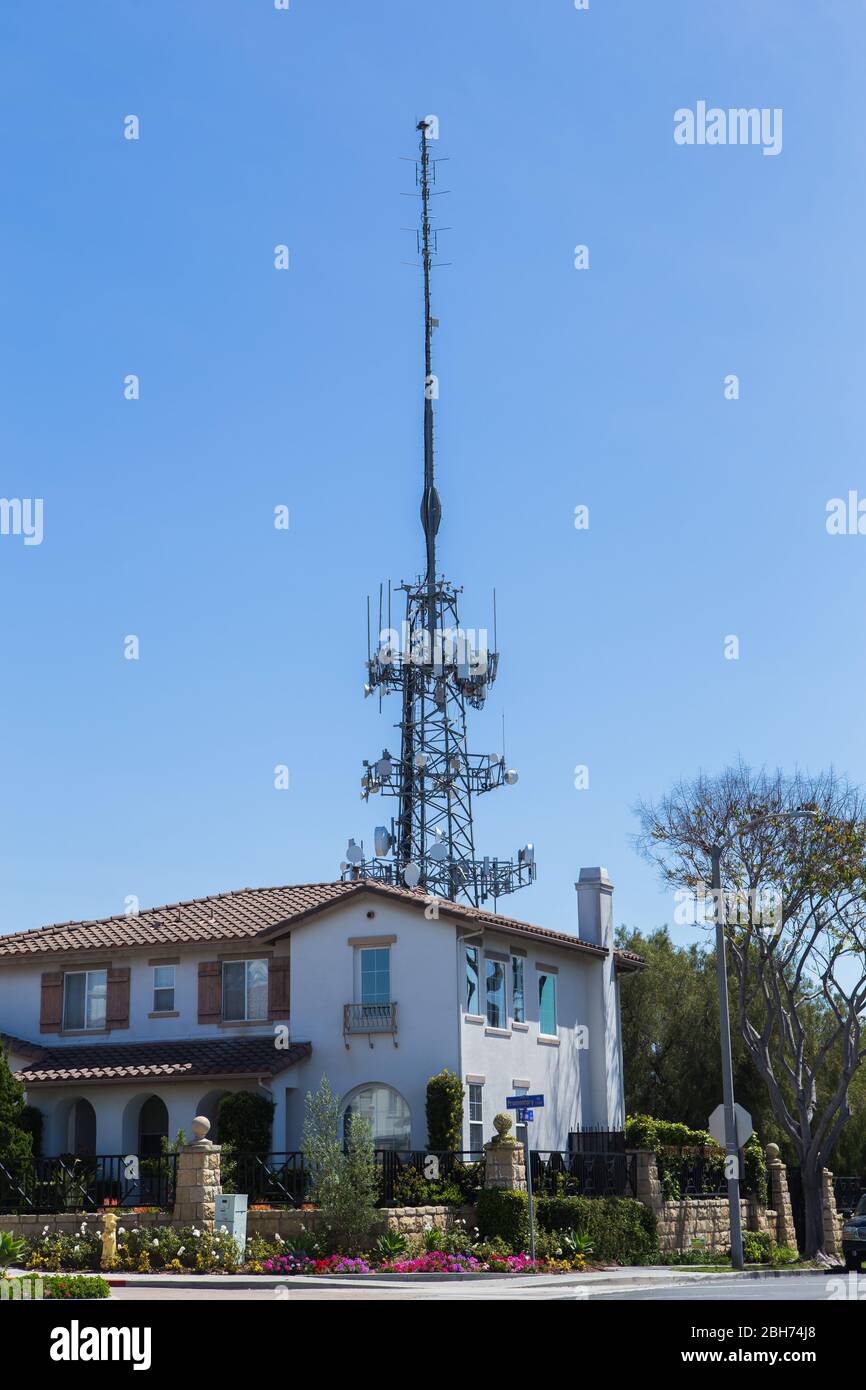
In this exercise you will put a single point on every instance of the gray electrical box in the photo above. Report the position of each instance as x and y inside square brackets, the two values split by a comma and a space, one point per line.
[231, 1212]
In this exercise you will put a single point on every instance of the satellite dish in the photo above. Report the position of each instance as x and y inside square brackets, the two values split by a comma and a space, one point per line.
[421, 760]
[354, 853]
[493, 759]
[510, 777]
[438, 852]
[384, 768]
[382, 840]
[411, 875]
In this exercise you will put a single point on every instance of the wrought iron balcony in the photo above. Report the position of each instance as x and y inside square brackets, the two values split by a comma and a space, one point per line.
[369, 1018]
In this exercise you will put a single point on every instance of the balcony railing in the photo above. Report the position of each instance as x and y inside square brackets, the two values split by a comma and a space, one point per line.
[369, 1018]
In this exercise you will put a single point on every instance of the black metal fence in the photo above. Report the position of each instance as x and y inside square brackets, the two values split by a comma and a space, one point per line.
[69, 1183]
[597, 1167]
[848, 1192]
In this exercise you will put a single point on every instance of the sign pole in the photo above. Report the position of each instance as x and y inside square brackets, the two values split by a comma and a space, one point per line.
[527, 1160]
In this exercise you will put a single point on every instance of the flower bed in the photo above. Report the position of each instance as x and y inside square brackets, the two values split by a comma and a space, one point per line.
[56, 1286]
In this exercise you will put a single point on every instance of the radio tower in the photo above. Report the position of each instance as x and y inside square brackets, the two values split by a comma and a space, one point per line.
[437, 667]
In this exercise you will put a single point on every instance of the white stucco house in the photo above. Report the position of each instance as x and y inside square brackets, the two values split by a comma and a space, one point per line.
[123, 1029]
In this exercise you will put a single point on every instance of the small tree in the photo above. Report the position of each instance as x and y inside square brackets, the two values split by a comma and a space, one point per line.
[16, 1143]
[445, 1112]
[344, 1182]
[244, 1121]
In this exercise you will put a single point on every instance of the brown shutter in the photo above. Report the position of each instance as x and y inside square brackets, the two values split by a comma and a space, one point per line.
[210, 982]
[51, 1008]
[279, 975]
[117, 1008]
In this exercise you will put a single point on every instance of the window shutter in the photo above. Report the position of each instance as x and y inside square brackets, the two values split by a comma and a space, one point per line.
[210, 991]
[279, 975]
[117, 1006]
[51, 1007]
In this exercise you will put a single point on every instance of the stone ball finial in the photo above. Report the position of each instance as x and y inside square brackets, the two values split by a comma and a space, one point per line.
[200, 1126]
[772, 1152]
[502, 1124]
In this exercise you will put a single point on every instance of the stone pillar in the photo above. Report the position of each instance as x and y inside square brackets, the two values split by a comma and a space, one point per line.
[504, 1162]
[780, 1198]
[830, 1216]
[198, 1180]
[648, 1188]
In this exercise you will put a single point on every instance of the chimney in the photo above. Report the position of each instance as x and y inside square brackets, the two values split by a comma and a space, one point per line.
[595, 907]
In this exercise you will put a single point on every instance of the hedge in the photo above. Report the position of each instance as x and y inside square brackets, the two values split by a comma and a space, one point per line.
[645, 1132]
[621, 1230]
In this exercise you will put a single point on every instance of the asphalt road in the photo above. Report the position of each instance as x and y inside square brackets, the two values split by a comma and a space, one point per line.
[796, 1288]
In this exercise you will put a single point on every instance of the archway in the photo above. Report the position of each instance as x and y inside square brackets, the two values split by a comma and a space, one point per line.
[386, 1110]
[152, 1127]
[82, 1128]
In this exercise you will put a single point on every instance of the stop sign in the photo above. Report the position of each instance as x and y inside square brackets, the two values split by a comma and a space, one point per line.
[743, 1121]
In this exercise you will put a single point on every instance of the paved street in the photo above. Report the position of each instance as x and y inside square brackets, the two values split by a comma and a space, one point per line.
[651, 1286]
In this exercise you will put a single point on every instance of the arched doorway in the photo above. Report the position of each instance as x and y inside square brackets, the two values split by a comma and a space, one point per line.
[82, 1129]
[388, 1113]
[152, 1127]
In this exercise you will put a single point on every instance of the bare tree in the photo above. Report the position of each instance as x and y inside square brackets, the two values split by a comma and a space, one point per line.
[799, 969]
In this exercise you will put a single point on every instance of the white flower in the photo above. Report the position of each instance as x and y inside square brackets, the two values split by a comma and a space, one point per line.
[44, 1230]
[75, 1249]
[82, 1230]
[279, 1238]
[180, 1251]
[196, 1233]
[224, 1230]
[121, 1230]
[154, 1242]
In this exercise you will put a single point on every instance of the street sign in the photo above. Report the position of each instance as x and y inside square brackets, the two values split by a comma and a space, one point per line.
[524, 1102]
[743, 1121]
[525, 1117]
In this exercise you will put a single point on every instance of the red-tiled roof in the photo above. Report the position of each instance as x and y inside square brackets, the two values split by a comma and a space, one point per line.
[20, 1047]
[168, 1061]
[254, 912]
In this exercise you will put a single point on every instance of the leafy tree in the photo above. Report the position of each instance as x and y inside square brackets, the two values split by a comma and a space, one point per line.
[344, 1183]
[244, 1122]
[799, 978]
[16, 1142]
[445, 1112]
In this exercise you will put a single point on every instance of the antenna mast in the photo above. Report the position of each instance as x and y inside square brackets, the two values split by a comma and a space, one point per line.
[438, 669]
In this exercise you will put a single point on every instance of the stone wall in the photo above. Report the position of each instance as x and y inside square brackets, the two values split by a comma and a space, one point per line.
[410, 1221]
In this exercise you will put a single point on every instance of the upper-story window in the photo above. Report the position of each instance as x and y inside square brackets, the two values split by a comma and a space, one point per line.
[163, 989]
[518, 996]
[476, 1118]
[376, 975]
[245, 991]
[495, 993]
[472, 1001]
[84, 996]
[546, 1003]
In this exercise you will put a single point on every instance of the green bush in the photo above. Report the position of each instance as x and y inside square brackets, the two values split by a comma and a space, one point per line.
[645, 1132]
[757, 1247]
[244, 1121]
[621, 1230]
[31, 1121]
[61, 1286]
[56, 1251]
[445, 1112]
[505, 1214]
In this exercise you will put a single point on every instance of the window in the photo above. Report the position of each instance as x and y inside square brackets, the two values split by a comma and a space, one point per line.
[476, 1118]
[84, 999]
[520, 1130]
[387, 1113]
[376, 975]
[472, 1003]
[496, 994]
[547, 1004]
[518, 1000]
[245, 990]
[163, 989]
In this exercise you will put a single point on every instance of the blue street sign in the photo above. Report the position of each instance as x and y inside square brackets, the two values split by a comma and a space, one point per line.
[524, 1102]
[524, 1116]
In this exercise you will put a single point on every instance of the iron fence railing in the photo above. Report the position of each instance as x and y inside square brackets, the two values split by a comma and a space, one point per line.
[691, 1174]
[848, 1191]
[369, 1018]
[70, 1183]
[575, 1174]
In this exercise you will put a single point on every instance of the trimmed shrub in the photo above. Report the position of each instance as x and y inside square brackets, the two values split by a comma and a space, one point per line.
[244, 1122]
[445, 1112]
[757, 1247]
[504, 1214]
[621, 1230]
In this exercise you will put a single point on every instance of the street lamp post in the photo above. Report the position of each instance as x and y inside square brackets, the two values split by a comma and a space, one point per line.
[732, 1153]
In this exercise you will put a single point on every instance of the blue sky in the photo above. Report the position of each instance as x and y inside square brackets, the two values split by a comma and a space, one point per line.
[603, 387]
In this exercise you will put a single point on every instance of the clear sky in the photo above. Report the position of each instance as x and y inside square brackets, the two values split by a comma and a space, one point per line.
[602, 387]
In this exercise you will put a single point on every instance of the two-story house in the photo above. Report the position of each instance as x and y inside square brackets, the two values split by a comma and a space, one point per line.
[125, 1028]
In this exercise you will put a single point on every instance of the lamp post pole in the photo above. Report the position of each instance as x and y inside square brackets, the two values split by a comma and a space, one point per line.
[732, 1156]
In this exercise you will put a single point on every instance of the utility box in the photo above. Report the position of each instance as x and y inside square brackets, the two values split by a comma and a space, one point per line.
[231, 1212]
